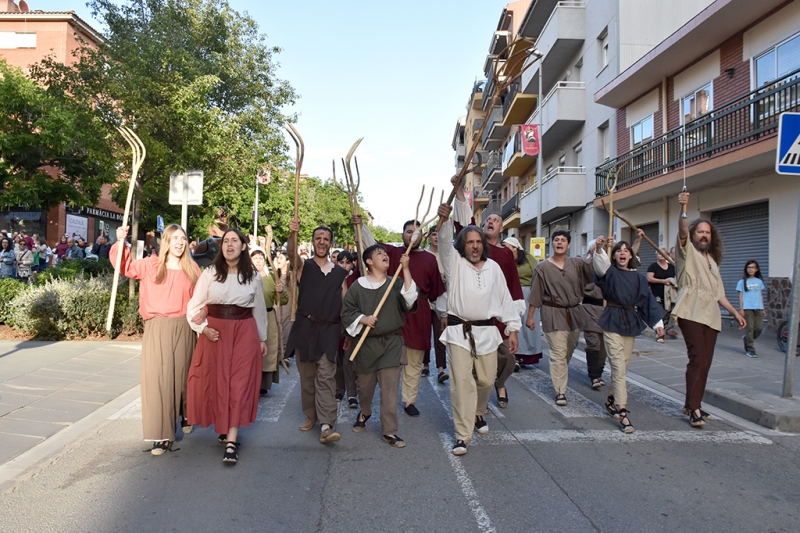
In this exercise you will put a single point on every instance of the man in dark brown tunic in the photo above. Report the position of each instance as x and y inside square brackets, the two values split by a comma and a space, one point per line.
[315, 335]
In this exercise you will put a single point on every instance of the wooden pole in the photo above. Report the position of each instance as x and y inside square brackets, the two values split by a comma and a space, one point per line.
[275, 277]
[645, 237]
[139, 153]
[300, 151]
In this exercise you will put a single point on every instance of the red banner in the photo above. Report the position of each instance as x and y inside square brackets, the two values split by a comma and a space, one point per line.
[530, 139]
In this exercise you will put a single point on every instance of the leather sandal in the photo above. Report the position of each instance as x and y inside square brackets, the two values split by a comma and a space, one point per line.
[395, 441]
[611, 407]
[361, 422]
[502, 401]
[231, 452]
[625, 422]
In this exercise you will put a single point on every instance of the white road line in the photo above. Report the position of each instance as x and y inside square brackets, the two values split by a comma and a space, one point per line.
[577, 435]
[271, 406]
[578, 406]
[484, 524]
[495, 410]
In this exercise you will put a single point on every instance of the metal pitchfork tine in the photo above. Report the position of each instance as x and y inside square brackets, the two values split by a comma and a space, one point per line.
[399, 269]
[139, 153]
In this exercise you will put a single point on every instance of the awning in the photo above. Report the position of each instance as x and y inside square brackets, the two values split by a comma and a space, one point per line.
[23, 215]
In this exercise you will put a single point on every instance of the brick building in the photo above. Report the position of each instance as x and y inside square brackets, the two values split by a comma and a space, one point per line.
[27, 37]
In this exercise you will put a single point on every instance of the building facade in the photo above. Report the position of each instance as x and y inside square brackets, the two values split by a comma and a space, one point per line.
[26, 38]
[701, 109]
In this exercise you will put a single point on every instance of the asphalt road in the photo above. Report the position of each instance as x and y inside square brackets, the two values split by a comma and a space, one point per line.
[540, 468]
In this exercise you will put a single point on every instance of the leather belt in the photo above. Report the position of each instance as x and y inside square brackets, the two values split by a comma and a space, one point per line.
[628, 307]
[229, 312]
[466, 326]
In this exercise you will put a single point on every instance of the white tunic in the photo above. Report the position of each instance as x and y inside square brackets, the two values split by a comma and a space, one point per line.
[475, 294]
[231, 292]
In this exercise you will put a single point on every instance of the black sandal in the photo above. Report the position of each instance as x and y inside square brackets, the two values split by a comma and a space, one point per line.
[611, 407]
[624, 421]
[231, 452]
[703, 414]
[502, 401]
[360, 424]
[597, 383]
[222, 438]
[395, 441]
[696, 421]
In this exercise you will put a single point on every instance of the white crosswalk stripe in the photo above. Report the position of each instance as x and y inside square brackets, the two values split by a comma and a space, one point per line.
[271, 406]
[578, 406]
[495, 438]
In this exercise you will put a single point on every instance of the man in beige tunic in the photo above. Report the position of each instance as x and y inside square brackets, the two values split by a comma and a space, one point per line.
[557, 288]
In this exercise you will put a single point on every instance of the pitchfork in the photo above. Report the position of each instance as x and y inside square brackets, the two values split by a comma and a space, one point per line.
[300, 152]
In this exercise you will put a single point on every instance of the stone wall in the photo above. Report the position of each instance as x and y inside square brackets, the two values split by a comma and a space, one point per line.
[779, 296]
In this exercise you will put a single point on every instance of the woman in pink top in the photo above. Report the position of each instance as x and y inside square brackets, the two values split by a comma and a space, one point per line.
[166, 284]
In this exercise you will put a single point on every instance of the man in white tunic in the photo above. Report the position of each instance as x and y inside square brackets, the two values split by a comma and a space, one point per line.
[477, 295]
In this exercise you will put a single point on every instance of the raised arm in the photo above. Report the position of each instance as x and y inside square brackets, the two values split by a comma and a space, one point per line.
[683, 223]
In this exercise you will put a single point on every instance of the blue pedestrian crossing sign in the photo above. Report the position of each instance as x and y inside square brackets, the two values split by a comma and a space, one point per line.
[159, 223]
[788, 153]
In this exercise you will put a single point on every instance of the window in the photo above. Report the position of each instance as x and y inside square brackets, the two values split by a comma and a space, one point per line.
[10, 39]
[577, 152]
[693, 106]
[774, 64]
[602, 50]
[603, 143]
[641, 134]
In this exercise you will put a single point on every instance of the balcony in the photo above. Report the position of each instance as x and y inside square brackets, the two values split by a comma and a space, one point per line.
[509, 212]
[518, 106]
[535, 19]
[500, 41]
[743, 121]
[563, 192]
[492, 209]
[476, 127]
[561, 38]
[492, 176]
[481, 196]
[529, 204]
[476, 98]
[563, 111]
[495, 131]
[515, 162]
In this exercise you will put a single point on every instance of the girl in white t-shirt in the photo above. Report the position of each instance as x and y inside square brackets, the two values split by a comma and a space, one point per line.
[751, 305]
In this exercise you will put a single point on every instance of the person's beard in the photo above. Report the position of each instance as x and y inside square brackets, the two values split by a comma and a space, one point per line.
[701, 247]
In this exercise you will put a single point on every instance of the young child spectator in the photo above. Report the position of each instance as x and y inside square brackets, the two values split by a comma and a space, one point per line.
[751, 305]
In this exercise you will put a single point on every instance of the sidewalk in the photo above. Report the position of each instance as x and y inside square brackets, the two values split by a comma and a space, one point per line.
[46, 387]
[747, 387]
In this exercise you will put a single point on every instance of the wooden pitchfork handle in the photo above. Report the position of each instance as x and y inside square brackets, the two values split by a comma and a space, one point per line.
[397, 273]
[277, 300]
[300, 153]
[645, 237]
[139, 153]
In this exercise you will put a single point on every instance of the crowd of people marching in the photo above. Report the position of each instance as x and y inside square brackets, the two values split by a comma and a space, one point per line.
[215, 339]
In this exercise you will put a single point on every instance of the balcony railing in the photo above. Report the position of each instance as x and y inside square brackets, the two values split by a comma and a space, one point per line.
[492, 209]
[509, 207]
[492, 167]
[563, 170]
[742, 121]
[512, 90]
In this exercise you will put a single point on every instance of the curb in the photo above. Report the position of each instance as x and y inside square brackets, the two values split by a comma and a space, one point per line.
[738, 402]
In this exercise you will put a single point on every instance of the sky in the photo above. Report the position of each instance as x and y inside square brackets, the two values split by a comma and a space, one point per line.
[398, 74]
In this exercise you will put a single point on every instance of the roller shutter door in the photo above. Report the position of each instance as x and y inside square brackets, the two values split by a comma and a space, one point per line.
[646, 252]
[745, 235]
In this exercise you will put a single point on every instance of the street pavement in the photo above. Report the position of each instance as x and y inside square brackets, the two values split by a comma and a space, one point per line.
[77, 463]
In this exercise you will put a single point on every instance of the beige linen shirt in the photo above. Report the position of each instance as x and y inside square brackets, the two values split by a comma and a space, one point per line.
[699, 287]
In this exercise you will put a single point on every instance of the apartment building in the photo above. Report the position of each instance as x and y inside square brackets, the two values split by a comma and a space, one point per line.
[702, 108]
[579, 43]
[27, 37]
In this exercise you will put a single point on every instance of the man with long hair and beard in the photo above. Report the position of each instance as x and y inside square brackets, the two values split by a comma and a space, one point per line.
[700, 293]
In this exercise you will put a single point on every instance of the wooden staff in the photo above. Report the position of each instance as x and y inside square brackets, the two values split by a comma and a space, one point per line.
[300, 152]
[399, 269]
[501, 83]
[645, 237]
[139, 153]
[350, 188]
[277, 280]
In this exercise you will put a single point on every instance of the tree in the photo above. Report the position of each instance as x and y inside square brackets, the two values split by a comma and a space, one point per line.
[52, 149]
[196, 82]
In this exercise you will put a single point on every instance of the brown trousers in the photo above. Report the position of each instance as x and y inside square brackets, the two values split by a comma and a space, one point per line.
[505, 364]
[700, 341]
[318, 389]
[389, 381]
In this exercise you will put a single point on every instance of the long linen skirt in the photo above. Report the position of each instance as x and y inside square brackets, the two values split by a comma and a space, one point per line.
[167, 348]
[530, 341]
[225, 376]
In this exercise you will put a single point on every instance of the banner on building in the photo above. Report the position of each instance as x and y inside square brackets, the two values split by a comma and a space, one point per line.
[468, 197]
[530, 139]
[537, 248]
[77, 227]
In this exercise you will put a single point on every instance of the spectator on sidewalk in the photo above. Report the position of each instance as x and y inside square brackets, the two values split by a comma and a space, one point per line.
[661, 275]
[8, 259]
[700, 293]
[751, 305]
[28, 240]
[24, 261]
[166, 286]
[101, 247]
[62, 247]
[73, 250]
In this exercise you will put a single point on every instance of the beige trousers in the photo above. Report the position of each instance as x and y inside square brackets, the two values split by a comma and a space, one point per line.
[562, 344]
[269, 363]
[318, 389]
[469, 393]
[411, 374]
[389, 380]
[619, 349]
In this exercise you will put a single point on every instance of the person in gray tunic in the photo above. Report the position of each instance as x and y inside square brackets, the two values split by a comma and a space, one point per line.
[378, 360]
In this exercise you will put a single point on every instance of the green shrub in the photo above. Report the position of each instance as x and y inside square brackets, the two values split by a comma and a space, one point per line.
[74, 269]
[71, 308]
[9, 289]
